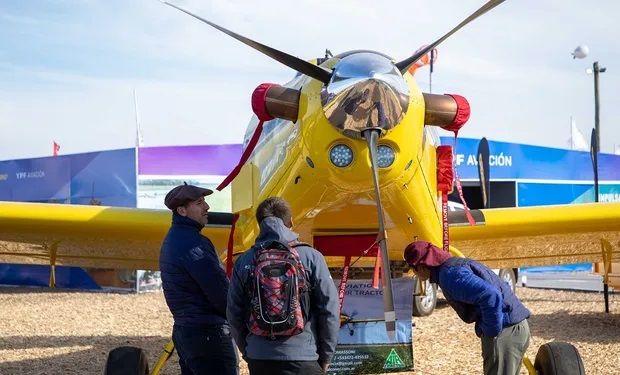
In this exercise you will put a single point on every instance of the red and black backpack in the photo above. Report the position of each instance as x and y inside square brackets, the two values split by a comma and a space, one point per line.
[278, 291]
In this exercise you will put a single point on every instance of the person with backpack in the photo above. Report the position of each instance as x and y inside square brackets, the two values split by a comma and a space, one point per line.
[282, 302]
[478, 296]
[195, 287]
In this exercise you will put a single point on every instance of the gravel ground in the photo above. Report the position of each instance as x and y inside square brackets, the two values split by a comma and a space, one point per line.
[58, 332]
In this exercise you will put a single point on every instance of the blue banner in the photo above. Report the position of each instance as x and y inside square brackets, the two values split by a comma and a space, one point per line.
[36, 275]
[517, 161]
[99, 178]
[540, 194]
[35, 180]
[105, 178]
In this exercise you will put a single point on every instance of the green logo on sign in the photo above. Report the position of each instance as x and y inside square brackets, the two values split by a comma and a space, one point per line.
[393, 361]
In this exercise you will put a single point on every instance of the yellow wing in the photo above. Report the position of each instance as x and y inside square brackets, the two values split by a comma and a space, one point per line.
[88, 236]
[543, 235]
[107, 237]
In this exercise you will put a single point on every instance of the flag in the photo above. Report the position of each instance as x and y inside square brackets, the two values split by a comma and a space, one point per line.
[56, 148]
[577, 140]
[424, 60]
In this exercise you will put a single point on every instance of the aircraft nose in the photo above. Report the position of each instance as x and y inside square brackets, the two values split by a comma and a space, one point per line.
[366, 91]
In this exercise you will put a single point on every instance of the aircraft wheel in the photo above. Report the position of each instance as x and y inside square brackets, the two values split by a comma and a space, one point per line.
[508, 275]
[557, 357]
[425, 304]
[126, 360]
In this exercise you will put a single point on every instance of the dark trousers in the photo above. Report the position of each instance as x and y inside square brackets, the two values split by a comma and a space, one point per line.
[262, 367]
[205, 350]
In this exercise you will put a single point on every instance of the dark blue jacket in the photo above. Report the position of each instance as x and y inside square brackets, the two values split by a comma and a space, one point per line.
[320, 334]
[194, 281]
[478, 295]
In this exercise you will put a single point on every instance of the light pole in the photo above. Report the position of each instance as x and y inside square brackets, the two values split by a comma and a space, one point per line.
[581, 52]
[596, 69]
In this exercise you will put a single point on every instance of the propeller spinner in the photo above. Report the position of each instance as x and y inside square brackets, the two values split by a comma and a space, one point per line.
[365, 91]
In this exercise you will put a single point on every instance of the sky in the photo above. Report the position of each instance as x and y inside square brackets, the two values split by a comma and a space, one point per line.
[69, 68]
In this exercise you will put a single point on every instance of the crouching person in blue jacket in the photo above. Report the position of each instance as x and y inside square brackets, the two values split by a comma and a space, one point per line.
[478, 296]
[283, 330]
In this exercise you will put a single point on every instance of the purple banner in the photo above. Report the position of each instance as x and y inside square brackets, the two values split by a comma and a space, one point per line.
[216, 160]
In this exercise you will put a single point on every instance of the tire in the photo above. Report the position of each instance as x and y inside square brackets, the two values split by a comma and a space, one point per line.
[558, 358]
[424, 305]
[508, 275]
[126, 360]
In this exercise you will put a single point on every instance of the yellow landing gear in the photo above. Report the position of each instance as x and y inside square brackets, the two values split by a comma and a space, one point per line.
[161, 361]
[529, 366]
[555, 358]
[129, 360]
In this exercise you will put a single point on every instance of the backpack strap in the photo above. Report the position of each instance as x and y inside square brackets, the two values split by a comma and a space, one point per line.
[306, 292]
[272, 244]
[296, 243]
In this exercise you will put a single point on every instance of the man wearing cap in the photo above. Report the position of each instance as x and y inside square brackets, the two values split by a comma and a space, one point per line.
[195, 287]
[478, 296]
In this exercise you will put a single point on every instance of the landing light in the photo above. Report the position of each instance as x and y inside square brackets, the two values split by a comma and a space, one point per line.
[385, 156]
[341, 155]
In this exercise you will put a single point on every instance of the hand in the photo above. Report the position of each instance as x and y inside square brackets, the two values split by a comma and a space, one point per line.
[324, 366]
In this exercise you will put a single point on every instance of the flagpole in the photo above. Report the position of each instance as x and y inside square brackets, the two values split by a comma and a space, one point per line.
[138, 144]
[137, 119]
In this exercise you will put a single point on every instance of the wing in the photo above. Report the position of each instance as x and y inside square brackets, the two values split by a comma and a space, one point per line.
[543, 235]
[91, 236]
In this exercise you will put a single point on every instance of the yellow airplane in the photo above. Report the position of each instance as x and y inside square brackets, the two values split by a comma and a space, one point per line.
[351, 144]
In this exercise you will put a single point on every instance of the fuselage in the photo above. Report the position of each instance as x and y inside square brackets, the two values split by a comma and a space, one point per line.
[292, 161]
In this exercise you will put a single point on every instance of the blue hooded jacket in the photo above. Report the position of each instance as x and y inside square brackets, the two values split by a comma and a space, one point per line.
[194, 282]
[320, 334]
[478, 295]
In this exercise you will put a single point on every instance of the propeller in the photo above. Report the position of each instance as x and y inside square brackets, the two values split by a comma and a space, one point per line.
[292, 62]
[282, 104]
[404, 65]
[372, 137]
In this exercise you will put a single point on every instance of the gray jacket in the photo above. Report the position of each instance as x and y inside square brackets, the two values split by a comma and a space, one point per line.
[319, 337]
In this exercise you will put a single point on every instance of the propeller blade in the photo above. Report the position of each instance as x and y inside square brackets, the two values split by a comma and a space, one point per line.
[404, 65]
[293, 62]
[372, 137]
